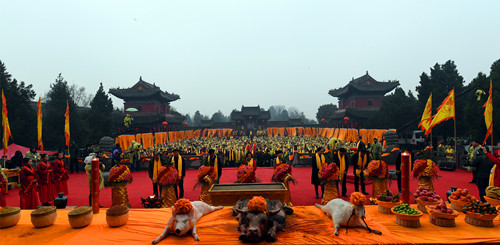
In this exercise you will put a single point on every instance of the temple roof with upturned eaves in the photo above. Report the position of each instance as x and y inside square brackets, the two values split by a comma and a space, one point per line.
[143, 89]
[364, 84]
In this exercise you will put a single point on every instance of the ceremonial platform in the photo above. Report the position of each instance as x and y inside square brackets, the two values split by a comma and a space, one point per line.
[308, 225]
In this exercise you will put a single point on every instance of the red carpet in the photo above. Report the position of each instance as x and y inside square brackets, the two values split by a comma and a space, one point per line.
[302, 192]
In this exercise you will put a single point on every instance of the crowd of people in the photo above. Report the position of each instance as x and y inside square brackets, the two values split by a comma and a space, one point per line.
[41, 180]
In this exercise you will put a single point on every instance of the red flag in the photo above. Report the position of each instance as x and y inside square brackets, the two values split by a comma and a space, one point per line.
[66, 124]
[5, 124]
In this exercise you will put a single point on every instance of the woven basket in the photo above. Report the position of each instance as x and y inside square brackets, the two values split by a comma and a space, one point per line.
[44, 216]
[479, 219]
[442, 222]
[493, 202]
[457, 205]
[440, 218]
[410, 221]
[385, 207]
[421, 204]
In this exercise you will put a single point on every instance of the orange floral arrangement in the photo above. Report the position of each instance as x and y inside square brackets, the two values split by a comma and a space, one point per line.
[183, 206]
[257, 204]
[358, 199]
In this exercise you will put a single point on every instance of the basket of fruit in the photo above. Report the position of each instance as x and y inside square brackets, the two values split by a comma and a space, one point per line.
[480, 213]
[386, 201]
[423, 196]
[407, 216]
[459, 198]
[493, 195]
[441, 215]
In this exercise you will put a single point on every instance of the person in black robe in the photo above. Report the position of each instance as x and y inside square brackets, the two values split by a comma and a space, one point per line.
[315, 179]
[336, 159]
[360, 179]
[211, 162]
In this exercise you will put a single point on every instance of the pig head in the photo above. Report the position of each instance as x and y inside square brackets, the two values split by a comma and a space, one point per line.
[256, 226]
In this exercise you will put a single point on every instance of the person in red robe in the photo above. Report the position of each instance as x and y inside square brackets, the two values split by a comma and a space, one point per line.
[60, 174]
[28, 193]
[45, 178]
[3, 188]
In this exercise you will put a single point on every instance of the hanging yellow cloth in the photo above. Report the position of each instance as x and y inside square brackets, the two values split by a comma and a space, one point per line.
[216, 166]
[342, 166]
[156, 170]
[251, 163]
[362, 164]
[492, 176]
[319, 163]
[179, 167]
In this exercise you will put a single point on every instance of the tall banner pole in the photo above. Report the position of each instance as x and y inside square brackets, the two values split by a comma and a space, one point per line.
[95, 185]
[405, 177]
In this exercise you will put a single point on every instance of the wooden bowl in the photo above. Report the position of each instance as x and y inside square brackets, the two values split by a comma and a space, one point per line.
[80, 217]
[481, 220]
[421, 204]
[9, 216]
[492, 201]
[117, 215]
[385, 207]
[457, 204]
[44, 216]
[406, 220]
[441, 215]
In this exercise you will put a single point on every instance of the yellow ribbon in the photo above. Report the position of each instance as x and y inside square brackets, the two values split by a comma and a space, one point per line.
[492, 176]
[319, 163]
[361, 164]
[216, 166]
[179, 165]
[342, 166]
[156, 170]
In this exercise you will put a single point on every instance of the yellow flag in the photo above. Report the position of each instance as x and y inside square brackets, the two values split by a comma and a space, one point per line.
[488, 114]
[426, 120]
[5, 125]
[39, 123]
[445, 111]
[66, 124]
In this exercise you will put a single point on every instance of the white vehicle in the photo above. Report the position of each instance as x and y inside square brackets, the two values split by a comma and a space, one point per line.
[416, 137]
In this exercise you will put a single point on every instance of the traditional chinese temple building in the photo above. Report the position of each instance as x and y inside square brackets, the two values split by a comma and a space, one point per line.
[149, 106]
[250, 118]
[359, 99]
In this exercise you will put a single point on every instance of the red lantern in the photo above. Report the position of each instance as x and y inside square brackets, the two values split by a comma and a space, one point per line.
[250, 117]
[164, 123]
[346, 119]
[185, 124]
[263, 120]
[323, 120]
[238, 121]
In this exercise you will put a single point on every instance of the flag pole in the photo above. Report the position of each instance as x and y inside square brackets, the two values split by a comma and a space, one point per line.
[455, 126]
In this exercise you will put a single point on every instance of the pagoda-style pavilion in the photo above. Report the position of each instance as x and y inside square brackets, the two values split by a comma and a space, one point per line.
[359, 99]
[250, 118]
[148, 105]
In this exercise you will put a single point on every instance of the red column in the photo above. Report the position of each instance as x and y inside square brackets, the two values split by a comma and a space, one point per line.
[405, 177]
[95, 185]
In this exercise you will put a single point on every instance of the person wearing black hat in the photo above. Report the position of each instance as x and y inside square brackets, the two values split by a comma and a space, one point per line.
[213, 161]
[153, 170]
[360, 145]
[340, 158]
[483, 167]
[360, 162]
[180, 165]
[317, 163]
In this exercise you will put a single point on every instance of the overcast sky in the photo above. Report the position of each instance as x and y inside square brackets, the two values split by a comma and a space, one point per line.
[225, 54]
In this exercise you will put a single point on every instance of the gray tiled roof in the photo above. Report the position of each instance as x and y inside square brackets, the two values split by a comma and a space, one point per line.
[148, 90]
[365, 83]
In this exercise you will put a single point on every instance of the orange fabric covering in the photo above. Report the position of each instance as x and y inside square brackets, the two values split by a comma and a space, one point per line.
[125, 140]
[270, 132]
[160, 138]
[138, 138]
[147, 140]
[308, 225]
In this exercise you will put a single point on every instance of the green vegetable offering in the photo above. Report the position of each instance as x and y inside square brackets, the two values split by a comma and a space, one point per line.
[406, 209]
